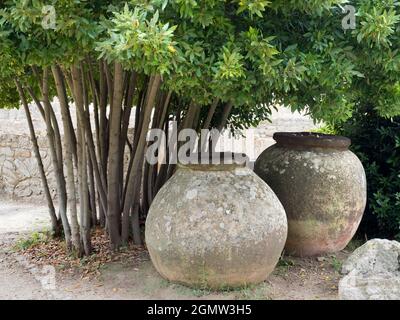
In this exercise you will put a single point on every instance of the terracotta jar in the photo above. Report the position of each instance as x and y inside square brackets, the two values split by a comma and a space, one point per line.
[216, 226]
[322, 186]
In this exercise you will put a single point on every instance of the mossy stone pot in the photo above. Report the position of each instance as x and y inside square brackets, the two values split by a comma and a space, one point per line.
[322, 186]
[216, 226]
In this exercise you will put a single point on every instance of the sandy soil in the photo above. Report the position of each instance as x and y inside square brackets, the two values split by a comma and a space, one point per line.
[22, 217]
[294, 278]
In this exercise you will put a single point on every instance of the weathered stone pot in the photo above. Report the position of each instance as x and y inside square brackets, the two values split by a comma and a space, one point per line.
[322, 186]
[217, 226]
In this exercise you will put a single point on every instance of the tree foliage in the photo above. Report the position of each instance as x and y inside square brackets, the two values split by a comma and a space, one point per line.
[376, 141]
[205, 64]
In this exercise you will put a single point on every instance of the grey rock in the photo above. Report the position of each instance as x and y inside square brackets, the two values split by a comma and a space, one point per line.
[372, 272]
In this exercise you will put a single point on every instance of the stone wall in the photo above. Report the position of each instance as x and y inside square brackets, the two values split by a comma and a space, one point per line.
[19, 176]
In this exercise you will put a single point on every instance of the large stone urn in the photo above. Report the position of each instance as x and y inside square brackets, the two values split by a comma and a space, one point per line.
[216, 226]
[322, 186]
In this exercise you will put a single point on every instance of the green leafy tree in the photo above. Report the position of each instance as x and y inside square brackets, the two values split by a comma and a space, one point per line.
[376, 141]
[374, 125]
[205, 64]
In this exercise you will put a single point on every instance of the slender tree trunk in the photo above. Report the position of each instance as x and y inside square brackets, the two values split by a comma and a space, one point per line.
[58, 143]
[129, 96]
[54, 124]
[59, 172]
[85, 216]
[69, 155]
[55, 226]
[133, 179]
[86, 125]
[103, 122]
[225, 114]
[137, 128]
[92, 194]
[223, 121]
[58, 169]
[137, 238]
[162, 174]
[113, 197]
[188, 122]
[206, 125]
[80, 97]
[150, 171]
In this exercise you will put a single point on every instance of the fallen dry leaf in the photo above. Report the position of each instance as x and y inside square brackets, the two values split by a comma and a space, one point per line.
[52, 252]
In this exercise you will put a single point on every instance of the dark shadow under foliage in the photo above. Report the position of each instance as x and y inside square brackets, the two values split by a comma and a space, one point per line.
[376, 141]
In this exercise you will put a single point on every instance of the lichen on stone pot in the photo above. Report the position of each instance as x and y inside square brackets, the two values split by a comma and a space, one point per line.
[322, 186]
[216, 226]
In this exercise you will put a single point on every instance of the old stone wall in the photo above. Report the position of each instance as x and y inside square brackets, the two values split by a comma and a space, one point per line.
[19, 175]
[20, 178]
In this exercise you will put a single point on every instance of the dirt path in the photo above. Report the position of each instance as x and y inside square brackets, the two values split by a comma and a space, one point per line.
[19, 217]
[293, 278]
[16, 282]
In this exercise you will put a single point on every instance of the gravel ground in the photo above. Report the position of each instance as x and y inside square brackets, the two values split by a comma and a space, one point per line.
[20, 217]
[293, 278]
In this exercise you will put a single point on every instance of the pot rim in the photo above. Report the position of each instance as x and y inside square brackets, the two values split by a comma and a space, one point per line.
[312, 140]
[216, 161]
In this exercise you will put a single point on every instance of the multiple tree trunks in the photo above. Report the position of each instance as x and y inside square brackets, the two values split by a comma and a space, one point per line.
[94, 187]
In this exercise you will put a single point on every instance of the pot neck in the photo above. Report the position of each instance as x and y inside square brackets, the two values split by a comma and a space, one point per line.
[218, 161]
[309, 140]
